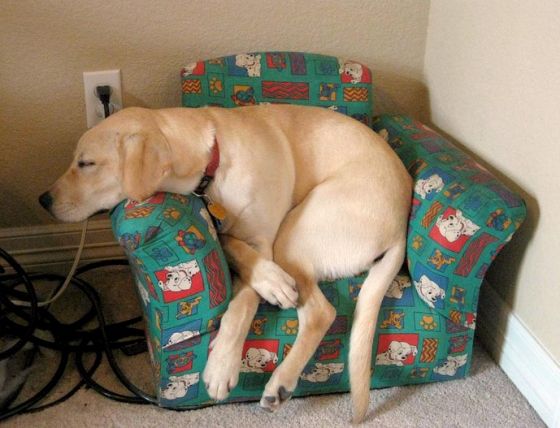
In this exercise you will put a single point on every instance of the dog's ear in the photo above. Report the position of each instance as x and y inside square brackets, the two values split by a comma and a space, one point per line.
[144, 164]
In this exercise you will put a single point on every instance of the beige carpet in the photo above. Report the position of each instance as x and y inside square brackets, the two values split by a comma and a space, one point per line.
[485, 399]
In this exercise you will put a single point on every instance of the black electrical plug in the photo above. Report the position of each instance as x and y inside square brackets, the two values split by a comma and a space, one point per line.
[104, 94]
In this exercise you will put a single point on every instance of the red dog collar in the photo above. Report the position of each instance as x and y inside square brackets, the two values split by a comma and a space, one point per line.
[217, 212]
[210, 171]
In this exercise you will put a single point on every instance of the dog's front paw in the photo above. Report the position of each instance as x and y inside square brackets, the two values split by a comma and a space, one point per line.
[221, 372]
[276, 392]
[274, 285]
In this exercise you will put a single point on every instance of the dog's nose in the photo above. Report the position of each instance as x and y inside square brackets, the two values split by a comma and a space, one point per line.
[46, 200]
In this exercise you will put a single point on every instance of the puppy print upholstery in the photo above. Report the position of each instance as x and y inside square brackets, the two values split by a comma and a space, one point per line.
[462, 217]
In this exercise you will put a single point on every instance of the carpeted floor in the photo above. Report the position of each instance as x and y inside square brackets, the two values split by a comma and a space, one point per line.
[486, 398]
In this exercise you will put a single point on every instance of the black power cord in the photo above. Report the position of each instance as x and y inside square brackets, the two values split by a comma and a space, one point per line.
[104, 95]
[24, 324]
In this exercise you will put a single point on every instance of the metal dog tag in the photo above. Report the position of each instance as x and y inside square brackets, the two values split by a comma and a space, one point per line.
[217, 211]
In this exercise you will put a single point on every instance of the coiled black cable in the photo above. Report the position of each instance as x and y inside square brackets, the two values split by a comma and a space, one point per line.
[23, 324]
[31, 317]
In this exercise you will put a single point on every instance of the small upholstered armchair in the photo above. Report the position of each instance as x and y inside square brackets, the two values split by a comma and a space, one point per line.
[462, 216]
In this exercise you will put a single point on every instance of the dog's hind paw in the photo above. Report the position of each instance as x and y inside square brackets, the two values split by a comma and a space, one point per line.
[277, 391]
[271, 403]
[274, 285]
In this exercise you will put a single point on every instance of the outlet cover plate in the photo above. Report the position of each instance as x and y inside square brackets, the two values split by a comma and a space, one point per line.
[92, 79]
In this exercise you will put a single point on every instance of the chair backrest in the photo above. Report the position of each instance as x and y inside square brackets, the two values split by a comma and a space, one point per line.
[280, 77]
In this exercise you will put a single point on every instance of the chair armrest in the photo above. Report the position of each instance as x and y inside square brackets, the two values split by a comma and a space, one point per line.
[462, 216]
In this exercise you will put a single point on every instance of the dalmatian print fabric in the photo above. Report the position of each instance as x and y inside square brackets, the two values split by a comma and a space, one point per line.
[280, 77]
[462, 217]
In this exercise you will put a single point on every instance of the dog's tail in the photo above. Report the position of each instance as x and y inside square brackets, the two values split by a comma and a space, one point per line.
[363, 327]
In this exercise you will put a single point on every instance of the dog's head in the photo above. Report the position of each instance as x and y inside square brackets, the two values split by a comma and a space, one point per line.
[353, 70]
[174, 389]
[434, 183]
[454, 226]
[179, 385]
[399, 351]
[177, 281]
[246, 60]
[452, 364]
[125, 156]
[451, 227]
[259, 357]
[320, 373]
[430, 290]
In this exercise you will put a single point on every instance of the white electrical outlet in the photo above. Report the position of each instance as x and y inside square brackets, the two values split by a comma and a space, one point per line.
[94, 107]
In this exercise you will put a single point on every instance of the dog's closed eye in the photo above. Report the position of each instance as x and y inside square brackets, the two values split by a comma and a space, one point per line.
[85, 164]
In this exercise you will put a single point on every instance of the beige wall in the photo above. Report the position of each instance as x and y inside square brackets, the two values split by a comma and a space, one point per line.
[46, 45]
[493, 73]
[492, 70]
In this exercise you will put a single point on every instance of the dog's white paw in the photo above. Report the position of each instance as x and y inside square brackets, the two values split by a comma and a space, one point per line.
[274, 285]
[277, 391]
[221, 372]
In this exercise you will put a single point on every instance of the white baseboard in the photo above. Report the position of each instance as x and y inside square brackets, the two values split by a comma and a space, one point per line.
[52, 247]
[520, 355]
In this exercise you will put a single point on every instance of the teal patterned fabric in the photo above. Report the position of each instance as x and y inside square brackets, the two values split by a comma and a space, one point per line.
[182, 280]
[280, 77]
[462, 217]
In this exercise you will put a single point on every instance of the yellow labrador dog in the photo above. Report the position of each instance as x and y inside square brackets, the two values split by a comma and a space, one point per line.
[310, 194]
